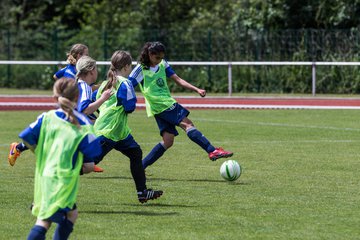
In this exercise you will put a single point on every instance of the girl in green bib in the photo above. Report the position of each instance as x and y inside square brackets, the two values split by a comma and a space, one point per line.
[64, 143]
[111, 126]
[151, 75]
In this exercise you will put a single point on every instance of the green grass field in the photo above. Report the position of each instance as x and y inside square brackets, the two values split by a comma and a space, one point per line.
[300, 180]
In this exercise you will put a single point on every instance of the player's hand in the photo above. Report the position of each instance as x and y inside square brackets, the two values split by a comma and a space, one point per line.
[202, 92]
[107, 94]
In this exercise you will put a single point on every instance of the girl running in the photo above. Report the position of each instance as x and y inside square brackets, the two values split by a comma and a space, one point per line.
[76, 52]
[86, 76]
[150, 74]
[111, 126]
[64, 144]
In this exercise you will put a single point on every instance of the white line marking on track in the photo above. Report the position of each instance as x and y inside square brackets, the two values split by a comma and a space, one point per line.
[279, 124]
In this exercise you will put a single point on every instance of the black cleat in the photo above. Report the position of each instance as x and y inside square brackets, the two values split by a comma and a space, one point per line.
[149, 194]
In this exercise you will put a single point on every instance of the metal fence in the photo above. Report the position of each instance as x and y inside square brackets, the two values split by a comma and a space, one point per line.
[189, 44]
[229, 66]
[200, 45]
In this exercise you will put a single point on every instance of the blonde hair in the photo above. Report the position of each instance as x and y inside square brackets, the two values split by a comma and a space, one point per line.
[84, 65]
[66, 93]
[119, 60]
[75, 50]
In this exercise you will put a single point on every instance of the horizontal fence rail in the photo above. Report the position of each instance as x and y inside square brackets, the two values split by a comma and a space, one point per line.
[228, 64]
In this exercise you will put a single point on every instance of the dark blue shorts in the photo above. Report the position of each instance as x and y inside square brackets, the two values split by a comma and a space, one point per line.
[107, 145]
[60, 215]
[170, 118]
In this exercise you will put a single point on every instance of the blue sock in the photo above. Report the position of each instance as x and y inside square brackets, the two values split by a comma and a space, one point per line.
[37, 233]
[63, 230]
[197, 137]
[21, 147]
[154, 155]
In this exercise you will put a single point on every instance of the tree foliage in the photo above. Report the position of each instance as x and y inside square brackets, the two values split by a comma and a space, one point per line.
[249, 30]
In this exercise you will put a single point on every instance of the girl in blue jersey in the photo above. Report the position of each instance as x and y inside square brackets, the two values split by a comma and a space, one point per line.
[86, 76]
[150, 74]
[76, 52]
[64, 144]
[111, 125]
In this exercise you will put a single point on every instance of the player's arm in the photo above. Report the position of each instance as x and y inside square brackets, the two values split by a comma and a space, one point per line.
[181, 82]
[170, 73]
[136, 76]
[86, 104]
[93, 106]
[59, 74]
[30, 135]
[126, 96]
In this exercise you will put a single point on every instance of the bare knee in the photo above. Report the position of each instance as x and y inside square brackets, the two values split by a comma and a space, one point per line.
[186, 124]
[168, 139]
[72, 215]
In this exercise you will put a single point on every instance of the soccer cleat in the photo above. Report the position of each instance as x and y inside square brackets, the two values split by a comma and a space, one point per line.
[149, 194]
[13, 154]
[98, 169]
[219, 153]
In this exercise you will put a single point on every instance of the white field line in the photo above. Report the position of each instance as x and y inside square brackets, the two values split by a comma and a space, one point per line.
[6, 145]
[209, 106]
[27, 104]
[278, 124]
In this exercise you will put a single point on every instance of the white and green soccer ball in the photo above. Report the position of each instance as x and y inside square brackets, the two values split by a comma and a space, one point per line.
[230, 170]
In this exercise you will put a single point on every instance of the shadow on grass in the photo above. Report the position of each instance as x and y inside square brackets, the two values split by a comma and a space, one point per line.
[137, 213]
[175, 180]
[162, 205]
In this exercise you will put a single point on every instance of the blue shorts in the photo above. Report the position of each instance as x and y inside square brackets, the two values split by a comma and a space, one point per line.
[107, 145]
[170, 118]
[59, 216]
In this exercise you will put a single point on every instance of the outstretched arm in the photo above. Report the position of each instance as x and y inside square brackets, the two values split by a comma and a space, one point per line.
[183, 83]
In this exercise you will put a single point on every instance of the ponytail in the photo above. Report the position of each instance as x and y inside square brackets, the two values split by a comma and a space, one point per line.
[119, 60]
[66, 93]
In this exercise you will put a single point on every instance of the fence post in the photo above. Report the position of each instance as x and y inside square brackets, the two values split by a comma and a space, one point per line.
[8, 83]
[210, 58]
[105, 43]
[56, 48]
[230, 79]
[313, 79]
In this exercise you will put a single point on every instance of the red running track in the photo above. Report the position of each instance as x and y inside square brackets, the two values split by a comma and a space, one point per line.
[8, 102]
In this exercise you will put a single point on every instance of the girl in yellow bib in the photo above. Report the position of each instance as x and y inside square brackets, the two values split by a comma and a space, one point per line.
[151, 74]
[111, 125]
[64, 143]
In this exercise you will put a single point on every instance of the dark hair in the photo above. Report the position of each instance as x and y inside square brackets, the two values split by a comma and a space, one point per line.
[150, 48]
[118, 60]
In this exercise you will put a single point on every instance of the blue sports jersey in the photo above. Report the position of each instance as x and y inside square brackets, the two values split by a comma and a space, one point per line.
[136, 75]
[69, 72]
[89, 146]
[85, 97]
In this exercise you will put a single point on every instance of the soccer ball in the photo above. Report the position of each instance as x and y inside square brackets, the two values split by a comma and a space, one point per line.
[230, 170]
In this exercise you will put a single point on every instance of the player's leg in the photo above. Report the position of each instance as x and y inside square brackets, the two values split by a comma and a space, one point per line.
[15, 151]
[166, 123]
[132, 150]
[196, 136]
[66, 225]
[159, 149]
[39, 230]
